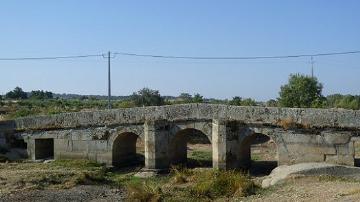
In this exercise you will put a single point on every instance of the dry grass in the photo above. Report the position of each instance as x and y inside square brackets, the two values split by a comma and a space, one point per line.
[193, 184]
[55, 175]
[290, 123]
[351, 192]
[214, 183]
[145, 191]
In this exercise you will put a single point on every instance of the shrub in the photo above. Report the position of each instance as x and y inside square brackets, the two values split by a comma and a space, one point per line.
[215, 183]
[143, 192]
[180, 175]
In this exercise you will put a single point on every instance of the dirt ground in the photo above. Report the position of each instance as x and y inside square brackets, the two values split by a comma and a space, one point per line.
[95, 193]
[13, 181]
[310, 189]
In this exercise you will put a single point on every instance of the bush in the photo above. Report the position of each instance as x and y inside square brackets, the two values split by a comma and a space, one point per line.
[215, 183]
[40, 94]
[143, 191]
[238, 101]
[147, 97]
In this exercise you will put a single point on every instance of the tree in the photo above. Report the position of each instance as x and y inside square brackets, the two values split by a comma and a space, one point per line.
[236, 101]
[271, 103]
[41, 95]
[17, 93]
[248, 102]
[186, 97]
[301, 91]
[198, 98]
[343, 101]
[147, 97]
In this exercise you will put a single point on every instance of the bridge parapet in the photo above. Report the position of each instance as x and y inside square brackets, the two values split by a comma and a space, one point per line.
[272, 116]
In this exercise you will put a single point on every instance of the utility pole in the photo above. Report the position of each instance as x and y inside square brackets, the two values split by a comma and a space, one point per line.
[312, 66]
[109, 82]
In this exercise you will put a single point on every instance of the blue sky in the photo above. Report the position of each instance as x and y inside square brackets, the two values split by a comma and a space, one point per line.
[187, 28]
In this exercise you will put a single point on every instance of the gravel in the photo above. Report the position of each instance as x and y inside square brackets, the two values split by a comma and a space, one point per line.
[92, 193]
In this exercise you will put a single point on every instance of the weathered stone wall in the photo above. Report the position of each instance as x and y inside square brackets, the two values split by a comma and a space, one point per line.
[298, 117]
[90, 143]
[301, 135]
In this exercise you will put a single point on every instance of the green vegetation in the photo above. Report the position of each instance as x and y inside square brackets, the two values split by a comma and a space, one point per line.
[184, 98]
[58, 174]
[238, 101]
[17, 93]
[147, 97]
[178, 185]
[192, 185]
[40, 94]
[301, 91]
[306, 91]
[29, 107]
[343, 101]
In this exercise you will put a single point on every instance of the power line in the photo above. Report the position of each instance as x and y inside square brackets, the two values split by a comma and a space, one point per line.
[52, 57]
[236, 58]
[181, 57]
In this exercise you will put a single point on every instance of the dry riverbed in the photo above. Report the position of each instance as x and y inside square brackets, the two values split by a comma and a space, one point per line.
[80, 180]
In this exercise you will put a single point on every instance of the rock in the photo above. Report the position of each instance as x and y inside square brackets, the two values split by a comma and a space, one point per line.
[48, 161]
[146, 174]
[281, 173]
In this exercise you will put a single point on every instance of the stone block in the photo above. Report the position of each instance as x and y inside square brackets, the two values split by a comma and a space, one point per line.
[346, 149]
[98, 146]
[336, 137]
[79, 146]
[62, 145]
[340, 159]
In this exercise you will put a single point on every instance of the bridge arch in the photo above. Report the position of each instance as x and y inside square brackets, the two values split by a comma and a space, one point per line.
[258, 151]
[187, 143]
[127, 149]
[204, 127]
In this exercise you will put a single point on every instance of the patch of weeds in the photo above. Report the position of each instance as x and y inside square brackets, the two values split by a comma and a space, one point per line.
[180, 175]
[286, 123]
[255, 157]
[201, 155]
[289, 123]
[91, 178]
[215, 183]
[80, 164]
[200, 159]
[144, 191]
[44, 181]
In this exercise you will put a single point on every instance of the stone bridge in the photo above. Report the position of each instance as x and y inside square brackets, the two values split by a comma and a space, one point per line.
[110, 136]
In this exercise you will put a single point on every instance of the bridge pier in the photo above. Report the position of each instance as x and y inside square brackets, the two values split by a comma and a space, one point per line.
[156, 145]
[230, 149]
[219, 144]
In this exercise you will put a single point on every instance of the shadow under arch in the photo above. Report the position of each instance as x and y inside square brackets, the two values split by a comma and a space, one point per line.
[191, 148]
[258, 153]
[125, 150]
